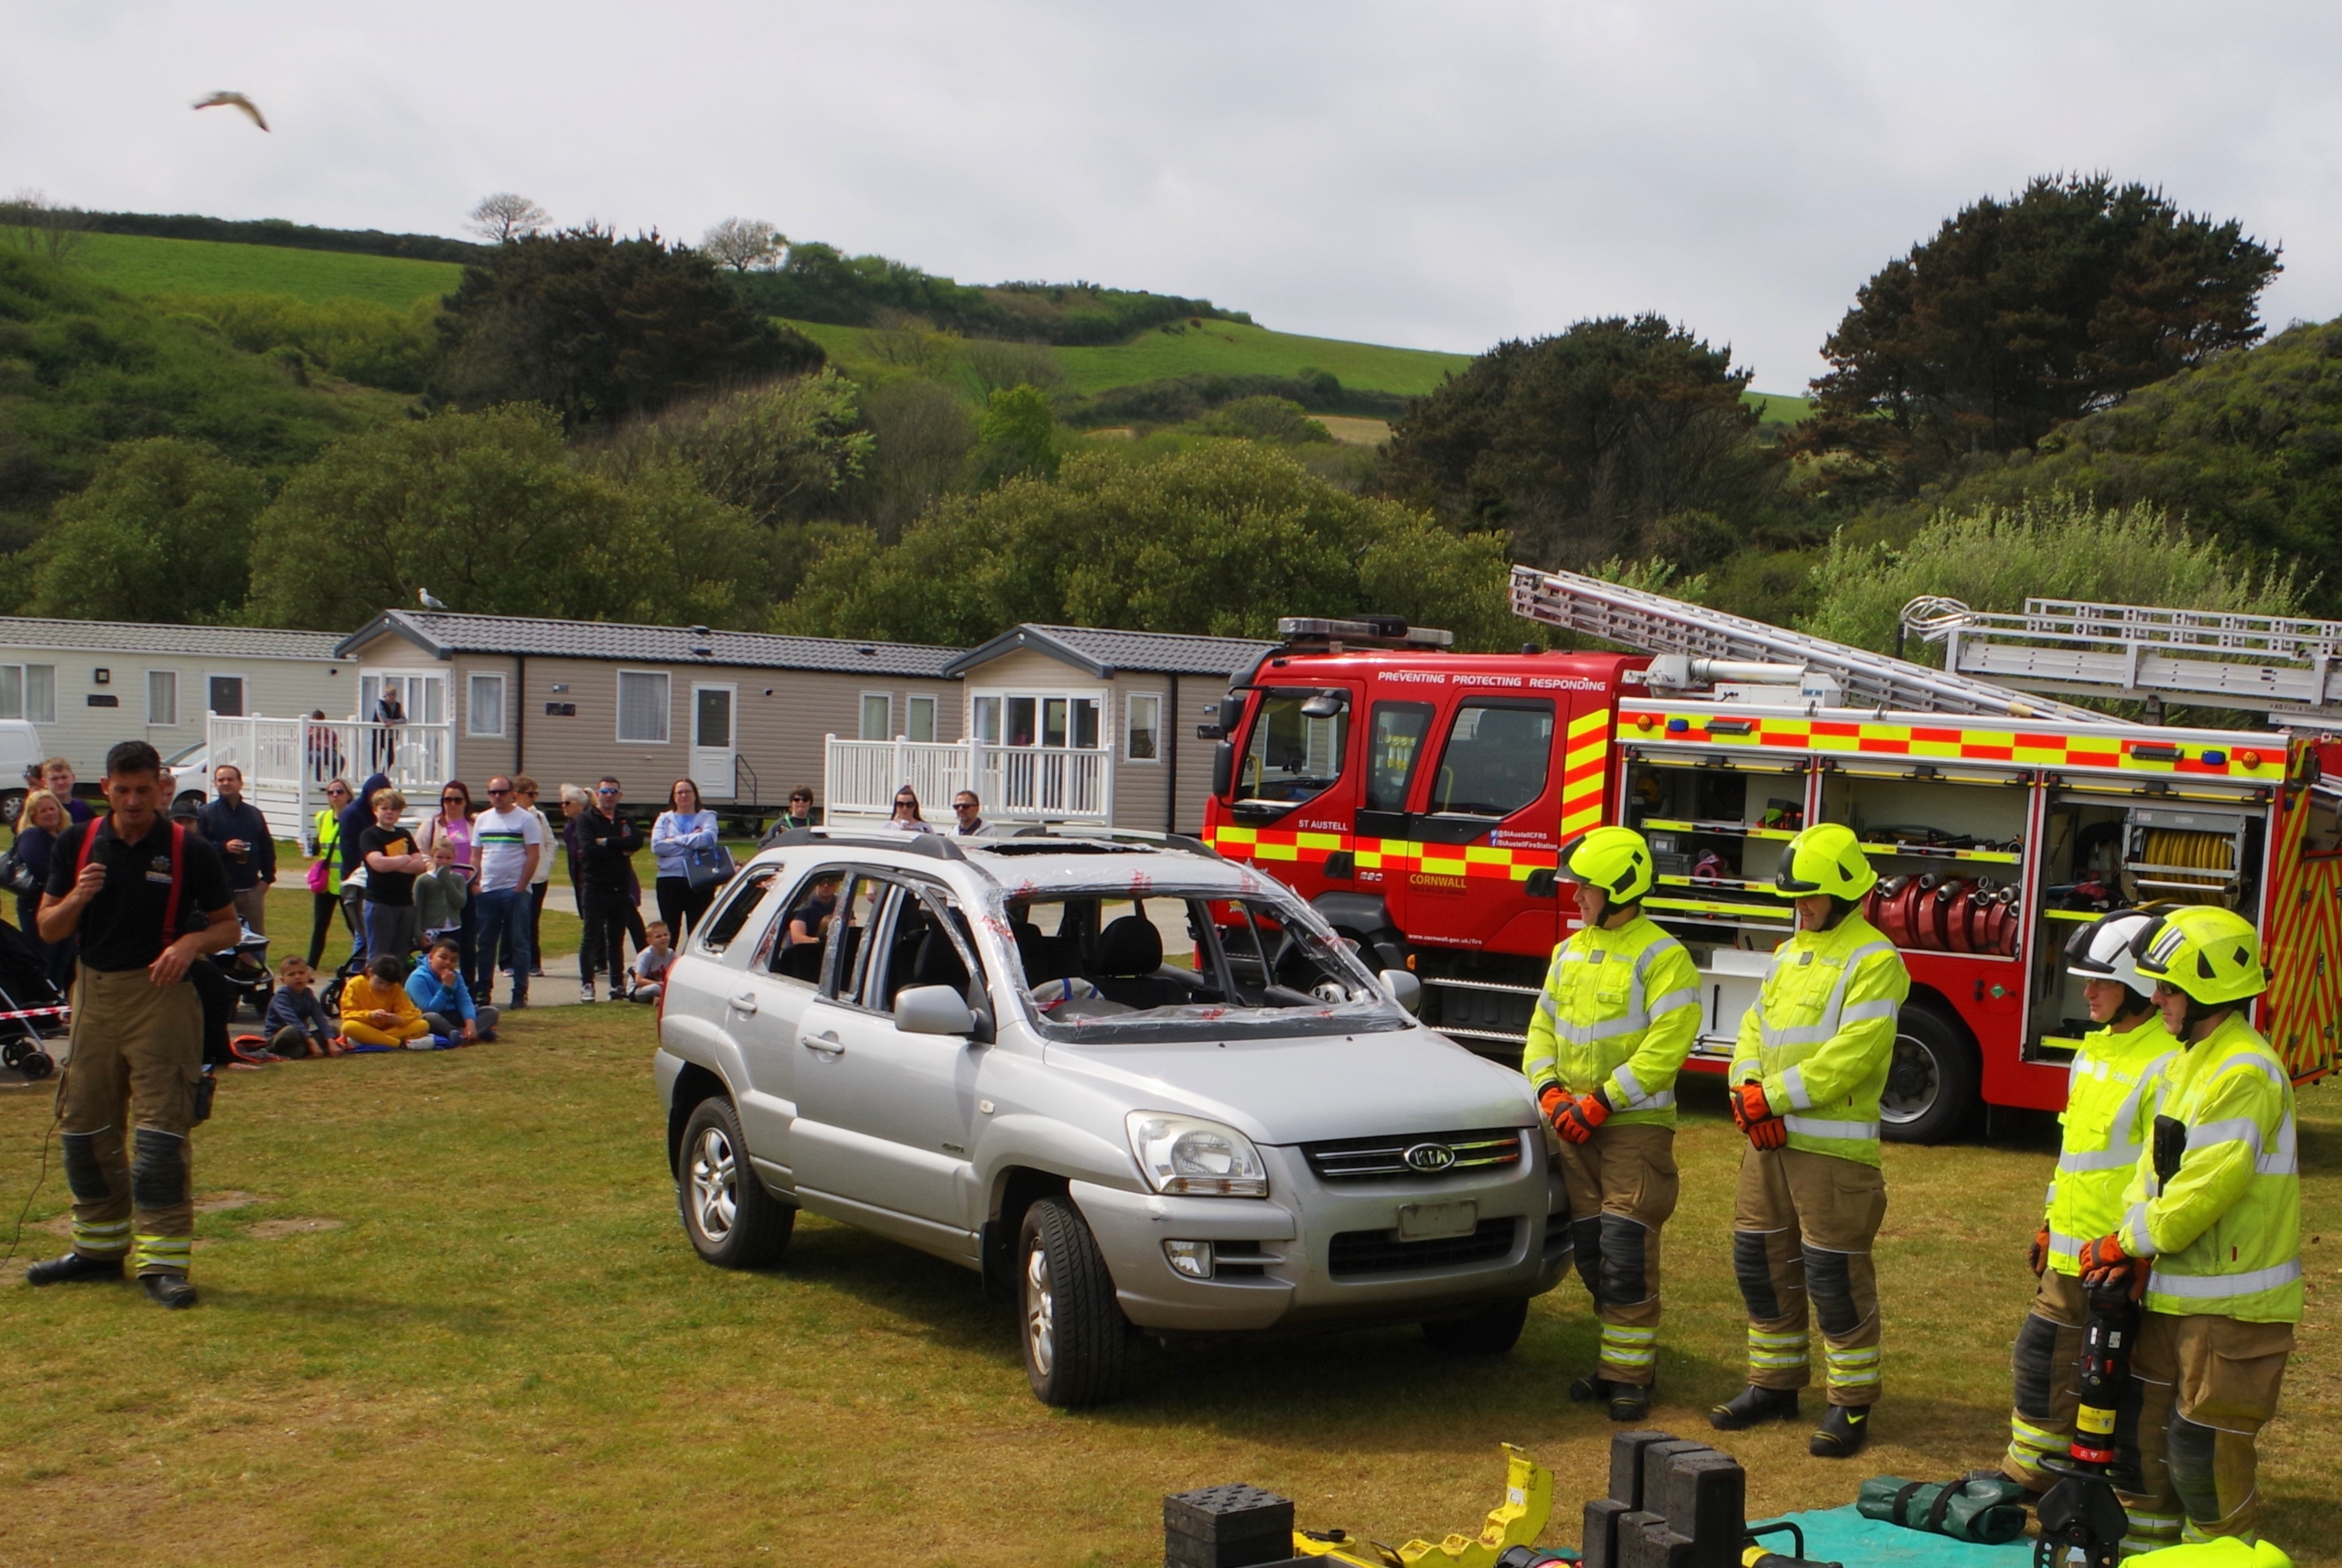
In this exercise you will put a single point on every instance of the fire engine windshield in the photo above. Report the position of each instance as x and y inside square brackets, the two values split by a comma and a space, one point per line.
[1191, 966]
[1298, 739]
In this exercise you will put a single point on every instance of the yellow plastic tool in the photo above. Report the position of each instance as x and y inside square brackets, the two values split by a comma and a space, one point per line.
[1516, 1521]
[2225, 1552]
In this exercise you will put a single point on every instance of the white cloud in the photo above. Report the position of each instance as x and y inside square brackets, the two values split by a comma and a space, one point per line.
[1441, 174]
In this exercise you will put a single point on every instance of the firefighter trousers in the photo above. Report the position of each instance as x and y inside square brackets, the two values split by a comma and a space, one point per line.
[2045, 1378]
[2206, 1386]
[1802, 1227]
[1622, 1187]
[125, 1105]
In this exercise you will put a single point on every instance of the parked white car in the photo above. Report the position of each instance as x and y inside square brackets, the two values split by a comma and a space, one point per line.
[976, 1047]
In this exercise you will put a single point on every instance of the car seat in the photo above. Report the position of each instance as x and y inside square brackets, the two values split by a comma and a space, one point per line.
[1129, 953]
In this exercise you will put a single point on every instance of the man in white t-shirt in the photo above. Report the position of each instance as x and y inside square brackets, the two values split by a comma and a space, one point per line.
[510, 843]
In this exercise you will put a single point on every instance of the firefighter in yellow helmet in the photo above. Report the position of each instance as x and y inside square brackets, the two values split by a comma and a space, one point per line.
[2113, 1094]
[1620, 1009]
[2211, 1236]
[1806, 1075]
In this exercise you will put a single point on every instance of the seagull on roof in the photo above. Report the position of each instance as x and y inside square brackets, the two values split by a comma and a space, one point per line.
[429, 602]
[233, 101]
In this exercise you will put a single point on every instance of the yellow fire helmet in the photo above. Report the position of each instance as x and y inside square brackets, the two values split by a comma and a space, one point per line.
[1615, 860]
[1824, 858]
[2212, 954]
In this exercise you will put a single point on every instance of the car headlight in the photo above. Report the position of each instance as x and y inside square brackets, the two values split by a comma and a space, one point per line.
[1190, 1157]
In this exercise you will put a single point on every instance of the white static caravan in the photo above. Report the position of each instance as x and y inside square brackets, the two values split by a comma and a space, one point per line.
[86, 684]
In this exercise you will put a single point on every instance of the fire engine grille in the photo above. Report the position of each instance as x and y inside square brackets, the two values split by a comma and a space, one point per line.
[1381, 1252]
[1360, 1159]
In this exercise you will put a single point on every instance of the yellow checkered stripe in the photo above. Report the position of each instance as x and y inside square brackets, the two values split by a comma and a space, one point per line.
[2261, 763]
[1271, 847]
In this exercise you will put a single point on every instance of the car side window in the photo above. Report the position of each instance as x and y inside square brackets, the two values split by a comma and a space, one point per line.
[928, 943]
[792, 949]
[856, 926]
[741, 900]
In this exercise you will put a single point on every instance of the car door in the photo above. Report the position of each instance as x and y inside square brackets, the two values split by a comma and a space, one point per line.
[884, 1118]
[764, 1005]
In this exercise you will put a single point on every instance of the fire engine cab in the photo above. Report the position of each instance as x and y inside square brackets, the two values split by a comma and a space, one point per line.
[1419, 798]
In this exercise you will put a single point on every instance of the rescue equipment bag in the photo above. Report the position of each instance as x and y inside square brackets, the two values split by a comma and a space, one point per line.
[1982, 1507]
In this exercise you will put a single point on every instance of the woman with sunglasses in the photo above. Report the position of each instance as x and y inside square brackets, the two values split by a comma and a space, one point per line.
[324, 873]
[907, 818]
[453, 827]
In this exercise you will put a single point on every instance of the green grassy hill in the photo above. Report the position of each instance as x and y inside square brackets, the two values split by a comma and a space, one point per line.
[137, 265]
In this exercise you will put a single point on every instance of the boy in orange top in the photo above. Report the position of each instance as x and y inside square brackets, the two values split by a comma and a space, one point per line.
[377, 1012]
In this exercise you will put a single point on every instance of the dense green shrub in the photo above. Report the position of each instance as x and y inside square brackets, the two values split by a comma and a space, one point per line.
[357, 339]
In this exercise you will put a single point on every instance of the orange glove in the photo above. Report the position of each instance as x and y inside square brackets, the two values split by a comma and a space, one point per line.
[1765, 1130]
[1579, 1117]
[2105, 1266]
[2037, 1257]
[1552, 1101]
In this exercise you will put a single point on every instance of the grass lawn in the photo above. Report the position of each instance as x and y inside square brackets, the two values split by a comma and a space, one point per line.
[449, 1317]
[143, 265]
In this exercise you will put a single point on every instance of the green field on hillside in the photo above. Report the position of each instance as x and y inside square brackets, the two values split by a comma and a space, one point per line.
[137, 265]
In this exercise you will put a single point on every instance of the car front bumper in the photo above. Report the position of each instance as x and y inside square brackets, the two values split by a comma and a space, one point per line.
[1281, 1269]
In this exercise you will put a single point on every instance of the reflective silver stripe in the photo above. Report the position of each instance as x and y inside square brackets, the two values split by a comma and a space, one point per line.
[1552, 1010]
[1813, 1127]
[2199, 1287]
[2064, 1246]
[1793, 1085]
[1833, 1012]
[2234, 1129]
[1674, 1002]
[1533, 1068]
[2099, 1160]
[1609, 1029]
[2132, 1232]
[1862, 1012]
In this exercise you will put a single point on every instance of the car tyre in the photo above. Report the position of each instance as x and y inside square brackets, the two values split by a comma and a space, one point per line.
[1935, 1083]
[1492, 1330]
[1074, 1333]
[732, 1220]
[12, 805]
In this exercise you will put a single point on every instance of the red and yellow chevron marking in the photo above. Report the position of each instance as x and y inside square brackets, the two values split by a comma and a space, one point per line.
[2302, 937]
[1273, 847]
[2245, 761]
[1584, 752]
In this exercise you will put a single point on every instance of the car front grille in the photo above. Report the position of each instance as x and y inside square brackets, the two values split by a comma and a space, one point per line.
[1367, 1159]
[1382, 1251]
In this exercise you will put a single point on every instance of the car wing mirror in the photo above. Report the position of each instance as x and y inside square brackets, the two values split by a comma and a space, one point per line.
[1404, 988]
[934, 1010]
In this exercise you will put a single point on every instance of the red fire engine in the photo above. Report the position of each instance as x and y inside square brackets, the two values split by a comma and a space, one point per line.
[1418, 798]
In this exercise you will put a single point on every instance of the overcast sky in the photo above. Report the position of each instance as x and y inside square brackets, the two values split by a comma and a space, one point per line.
[1439, 175]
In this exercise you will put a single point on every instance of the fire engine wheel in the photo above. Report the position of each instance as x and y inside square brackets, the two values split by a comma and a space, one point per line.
[1934, 1082]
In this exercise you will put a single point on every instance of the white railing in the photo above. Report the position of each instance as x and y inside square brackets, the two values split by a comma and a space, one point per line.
[1015, 783]
[287, 763]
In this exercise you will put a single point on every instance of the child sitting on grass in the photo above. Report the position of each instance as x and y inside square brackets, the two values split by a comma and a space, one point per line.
[377, 1014]
[649, 975]
[437, 987]
[296, 1025]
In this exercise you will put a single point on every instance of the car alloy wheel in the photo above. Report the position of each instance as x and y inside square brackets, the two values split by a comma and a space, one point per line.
[1040, 1312]
[715, 1178]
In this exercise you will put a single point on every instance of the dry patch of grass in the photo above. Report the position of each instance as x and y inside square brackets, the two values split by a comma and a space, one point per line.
[449, 1318]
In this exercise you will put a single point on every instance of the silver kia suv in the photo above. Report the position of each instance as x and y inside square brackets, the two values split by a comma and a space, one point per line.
[1126, 1082]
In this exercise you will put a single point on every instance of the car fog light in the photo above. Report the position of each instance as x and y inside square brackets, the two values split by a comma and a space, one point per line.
[1192, 1259]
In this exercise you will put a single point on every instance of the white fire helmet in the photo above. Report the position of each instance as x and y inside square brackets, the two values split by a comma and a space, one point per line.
[2101, 951]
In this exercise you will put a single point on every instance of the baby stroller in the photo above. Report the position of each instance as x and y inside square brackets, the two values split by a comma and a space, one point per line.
[32, 1012]
[245, 968]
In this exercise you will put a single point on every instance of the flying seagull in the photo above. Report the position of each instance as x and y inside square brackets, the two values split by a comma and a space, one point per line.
[429, 602]
[233, 101]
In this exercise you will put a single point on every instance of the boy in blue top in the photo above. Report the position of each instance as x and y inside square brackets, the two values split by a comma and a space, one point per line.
[296, 1024]
[438, 989]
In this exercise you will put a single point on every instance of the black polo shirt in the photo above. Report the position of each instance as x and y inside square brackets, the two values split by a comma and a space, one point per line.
[130, 921]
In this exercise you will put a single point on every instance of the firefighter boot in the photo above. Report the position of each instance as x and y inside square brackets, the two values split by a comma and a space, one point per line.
[1753, 1405]
[1628, 1402]
[72, 1266]
[1845, 1429]
[170, 1291]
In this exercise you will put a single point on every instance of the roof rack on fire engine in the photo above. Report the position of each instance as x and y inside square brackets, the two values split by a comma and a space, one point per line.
[2287, 668]
[1657, 624]
[1307, 635]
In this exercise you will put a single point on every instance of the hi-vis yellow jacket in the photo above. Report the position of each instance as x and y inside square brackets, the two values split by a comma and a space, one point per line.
[1619, 1010]
[1821, 1036]
[2225, 1230]
[2111, 1097]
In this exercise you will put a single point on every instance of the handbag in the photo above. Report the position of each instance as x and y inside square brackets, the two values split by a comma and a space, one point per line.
[707, 868]
[319, 876]
[17, 877]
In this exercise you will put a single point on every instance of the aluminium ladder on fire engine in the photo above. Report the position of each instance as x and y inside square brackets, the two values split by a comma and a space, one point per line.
[2286, 668]
[1657, 624]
